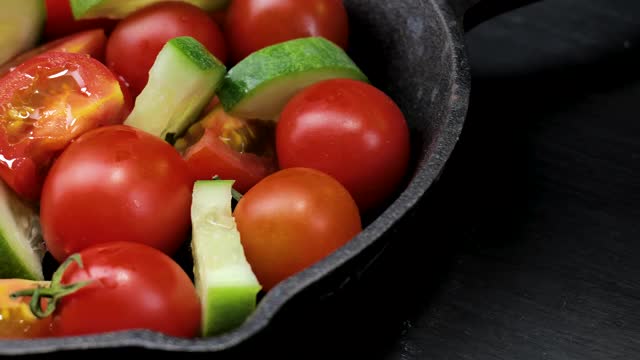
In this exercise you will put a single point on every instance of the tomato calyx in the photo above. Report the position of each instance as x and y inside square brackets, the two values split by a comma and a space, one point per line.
[54, 292]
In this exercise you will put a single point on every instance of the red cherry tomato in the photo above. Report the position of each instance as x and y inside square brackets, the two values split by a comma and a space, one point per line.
[132, 286]
[292, 219]
[350, 130]
[219, 16]
[91, 42]
[136, 41]
[45, 103]
[251, 25]
[231, 148]
[60, 21]
[116, 183]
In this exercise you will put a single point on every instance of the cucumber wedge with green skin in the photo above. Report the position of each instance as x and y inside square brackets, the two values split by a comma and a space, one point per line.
[182, 81]
[21, 25]
[227, 286]
[119, 9]
[260, 85]
[21, 245]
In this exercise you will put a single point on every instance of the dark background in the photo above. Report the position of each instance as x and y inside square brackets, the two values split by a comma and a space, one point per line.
[529, 245]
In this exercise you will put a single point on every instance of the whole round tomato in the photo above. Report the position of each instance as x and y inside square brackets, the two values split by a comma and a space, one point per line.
[17, 321]
[251, 25]
[137, 39]
[350, 130]
[60, 21]
[229, 147]
[45, 103]
[116, 183]
[292, 219]
[132, 286]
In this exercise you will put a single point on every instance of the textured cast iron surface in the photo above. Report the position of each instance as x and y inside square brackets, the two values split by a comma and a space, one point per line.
[412, 50]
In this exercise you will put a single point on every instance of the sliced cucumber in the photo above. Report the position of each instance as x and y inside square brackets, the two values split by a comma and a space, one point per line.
[259, 86]
[21, 24]
[118, 9]
[21, 244]
[225, 282]
[182, 81]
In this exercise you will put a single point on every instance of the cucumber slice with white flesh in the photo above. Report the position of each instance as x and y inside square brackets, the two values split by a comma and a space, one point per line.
[182, 81]
[119, 9]
[260, 85]
[21, 24]
[21, 245]
[227, 286]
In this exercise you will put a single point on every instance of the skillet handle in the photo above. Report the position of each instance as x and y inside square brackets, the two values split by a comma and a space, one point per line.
[474, 12]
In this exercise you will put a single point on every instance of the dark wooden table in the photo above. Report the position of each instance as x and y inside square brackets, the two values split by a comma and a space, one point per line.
[529, 246]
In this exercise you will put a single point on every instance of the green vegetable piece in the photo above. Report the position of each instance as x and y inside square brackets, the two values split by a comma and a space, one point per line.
[21, 245]
[119, 9]
[227, 286]
[182, 81]
[259, 86]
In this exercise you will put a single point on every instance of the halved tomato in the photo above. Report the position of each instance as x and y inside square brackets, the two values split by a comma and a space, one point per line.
[229, 147]
[129, 101]
[91, 42]
[45, 103]
[16, 319]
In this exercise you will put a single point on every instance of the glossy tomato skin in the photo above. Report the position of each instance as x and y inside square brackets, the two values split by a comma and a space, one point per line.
[292, 219]
[133, 286]
[350, 130]
[136, 41]
[251, 25]
[45, 103]
[17, 321]
[210, 155]
[128, 101]
[116, 183]
[60, 21]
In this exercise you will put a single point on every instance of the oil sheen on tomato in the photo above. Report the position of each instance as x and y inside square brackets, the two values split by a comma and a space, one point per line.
[44, 104]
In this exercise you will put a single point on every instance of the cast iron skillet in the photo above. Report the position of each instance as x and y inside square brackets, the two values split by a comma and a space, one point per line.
[414, 51]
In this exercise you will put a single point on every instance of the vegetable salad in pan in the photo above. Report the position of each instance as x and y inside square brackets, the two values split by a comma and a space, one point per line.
[240, 130]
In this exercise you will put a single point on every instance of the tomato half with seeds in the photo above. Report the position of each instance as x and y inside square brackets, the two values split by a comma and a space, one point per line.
[16, 319]
[229, 147]
[45, 103]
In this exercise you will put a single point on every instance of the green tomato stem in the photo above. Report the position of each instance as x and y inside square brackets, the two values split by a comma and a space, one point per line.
[54, 292]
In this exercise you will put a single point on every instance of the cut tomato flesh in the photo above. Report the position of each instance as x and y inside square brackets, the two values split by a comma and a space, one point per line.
[229, 147]
[90, 42]
[44, 104]
[16, 319]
